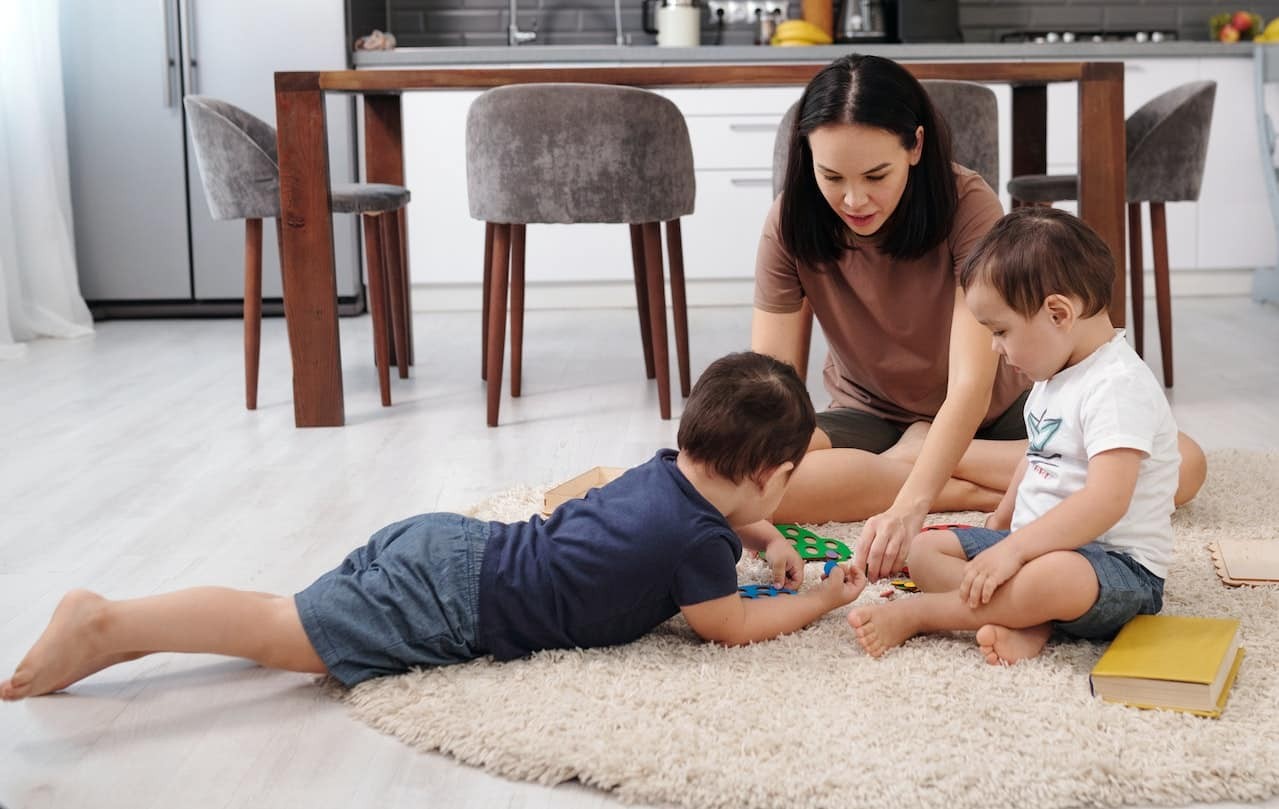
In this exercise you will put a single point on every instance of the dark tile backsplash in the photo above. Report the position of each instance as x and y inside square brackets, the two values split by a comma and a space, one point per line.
[586, 22]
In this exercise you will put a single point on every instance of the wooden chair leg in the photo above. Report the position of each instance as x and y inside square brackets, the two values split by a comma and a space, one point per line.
[252, 309]
[657, 314]
[376, 262]
[402, 217]
[1163, 295]
[1138, 299]
[641, 296]
[679, 303]
[517, 308]
[395, 283]
[484, 305]
[497, 318]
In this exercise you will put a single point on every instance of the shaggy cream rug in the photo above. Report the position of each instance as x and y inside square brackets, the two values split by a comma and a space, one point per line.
[810, 720]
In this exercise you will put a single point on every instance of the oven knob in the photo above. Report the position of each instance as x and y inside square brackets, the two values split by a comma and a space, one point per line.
[1140, 36]
[1068, 36]
[1052, 37]
[1157, 36]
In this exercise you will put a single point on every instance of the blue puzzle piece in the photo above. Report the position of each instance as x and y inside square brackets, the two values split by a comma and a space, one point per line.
[762, 590]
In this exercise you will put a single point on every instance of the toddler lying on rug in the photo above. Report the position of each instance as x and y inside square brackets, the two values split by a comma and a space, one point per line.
[1091, 504]
[443, 588]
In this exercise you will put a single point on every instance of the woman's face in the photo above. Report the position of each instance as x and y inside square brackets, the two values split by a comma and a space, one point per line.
[862, 172]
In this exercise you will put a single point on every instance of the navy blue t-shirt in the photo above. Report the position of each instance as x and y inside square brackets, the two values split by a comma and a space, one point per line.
[608, 568]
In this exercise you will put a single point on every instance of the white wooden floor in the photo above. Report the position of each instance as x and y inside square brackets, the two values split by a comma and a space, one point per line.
[128, 465]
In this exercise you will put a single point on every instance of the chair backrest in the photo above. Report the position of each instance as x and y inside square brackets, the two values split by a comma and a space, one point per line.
[236, 153]
[1167, 143]
[970, 110]
[577, 153]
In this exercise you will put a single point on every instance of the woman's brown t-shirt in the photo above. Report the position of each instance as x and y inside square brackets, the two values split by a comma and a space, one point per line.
[887, 321]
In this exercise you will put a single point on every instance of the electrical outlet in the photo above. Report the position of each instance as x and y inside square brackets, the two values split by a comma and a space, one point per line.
[737, 11]
[775, 7]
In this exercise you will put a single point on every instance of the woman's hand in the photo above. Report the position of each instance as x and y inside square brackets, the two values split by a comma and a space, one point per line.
[986, 571]
[885, 542]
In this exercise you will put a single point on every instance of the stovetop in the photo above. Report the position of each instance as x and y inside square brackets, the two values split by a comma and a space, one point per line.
[1052, 37]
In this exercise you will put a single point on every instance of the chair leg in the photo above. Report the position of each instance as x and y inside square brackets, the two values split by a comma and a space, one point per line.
[497, 318]
[1163, 295]
[641, 297]
[484, 304]
[657, 314]
[395, 283]
[375, 252]
[252, 309]
[517, 308]
[402, 220]
[1135, 277]
[679, 303]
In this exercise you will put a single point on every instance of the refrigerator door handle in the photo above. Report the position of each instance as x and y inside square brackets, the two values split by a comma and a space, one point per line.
[170, 64]
[186, 11]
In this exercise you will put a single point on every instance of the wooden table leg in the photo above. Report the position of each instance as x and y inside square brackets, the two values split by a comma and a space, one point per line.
[1103, 166]
[384, 163]
[310, 285]
[1030, 129]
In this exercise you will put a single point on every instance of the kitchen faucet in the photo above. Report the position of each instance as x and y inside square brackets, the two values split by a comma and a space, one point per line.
[514, 36]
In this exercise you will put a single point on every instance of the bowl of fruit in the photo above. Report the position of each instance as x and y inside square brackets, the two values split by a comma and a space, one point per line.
[1236, 26]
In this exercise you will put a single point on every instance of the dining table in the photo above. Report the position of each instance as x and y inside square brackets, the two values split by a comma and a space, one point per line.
[307, 257]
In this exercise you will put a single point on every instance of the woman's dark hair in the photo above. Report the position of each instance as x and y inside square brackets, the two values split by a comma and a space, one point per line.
[878, 92]
[747, 413]
[1035, 252]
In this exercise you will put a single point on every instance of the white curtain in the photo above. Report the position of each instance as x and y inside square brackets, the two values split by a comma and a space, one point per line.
[39, 291]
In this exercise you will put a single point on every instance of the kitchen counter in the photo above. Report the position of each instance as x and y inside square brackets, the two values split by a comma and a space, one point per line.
[651, 54]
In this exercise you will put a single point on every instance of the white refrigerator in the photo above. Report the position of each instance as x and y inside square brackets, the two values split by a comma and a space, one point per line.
[146, 244]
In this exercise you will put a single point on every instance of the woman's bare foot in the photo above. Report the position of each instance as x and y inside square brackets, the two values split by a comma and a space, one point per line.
[68, 651]
[1003, 646]
[882, 626]
[912, 441]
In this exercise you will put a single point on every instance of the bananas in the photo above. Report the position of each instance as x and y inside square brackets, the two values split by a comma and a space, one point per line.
[1270, 34]
[799, 32]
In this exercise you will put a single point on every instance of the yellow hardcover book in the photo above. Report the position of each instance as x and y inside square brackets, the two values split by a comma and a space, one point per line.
[1177, 662]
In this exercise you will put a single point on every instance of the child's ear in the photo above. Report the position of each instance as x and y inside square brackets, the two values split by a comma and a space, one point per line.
[765, 478]
[1061, 310]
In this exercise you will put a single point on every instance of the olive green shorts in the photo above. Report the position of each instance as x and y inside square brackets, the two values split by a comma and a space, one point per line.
[846, 427]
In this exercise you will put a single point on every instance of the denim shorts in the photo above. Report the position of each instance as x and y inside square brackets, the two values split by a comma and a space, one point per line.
[409, 598]
[1126, 589]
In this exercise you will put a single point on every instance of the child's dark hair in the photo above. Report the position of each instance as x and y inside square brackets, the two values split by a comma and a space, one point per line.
[747, 413]
[878, 92]
[1035, 252]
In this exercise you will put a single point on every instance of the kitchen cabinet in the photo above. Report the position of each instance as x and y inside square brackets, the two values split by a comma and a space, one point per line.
[145, 241]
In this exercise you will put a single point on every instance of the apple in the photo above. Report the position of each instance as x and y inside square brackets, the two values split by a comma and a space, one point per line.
[1241, 22]
[1228, 33]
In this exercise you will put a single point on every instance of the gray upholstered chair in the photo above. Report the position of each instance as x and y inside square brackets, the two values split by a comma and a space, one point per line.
[573, 153]
[972, 114]
[1167, 144]
[236, 153]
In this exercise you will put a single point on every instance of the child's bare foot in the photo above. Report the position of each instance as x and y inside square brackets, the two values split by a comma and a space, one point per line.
[67, 652]
[881, 627]
[1001, 645]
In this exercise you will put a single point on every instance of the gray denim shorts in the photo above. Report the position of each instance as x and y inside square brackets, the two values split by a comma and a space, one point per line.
[409, 598]
[1126, 589]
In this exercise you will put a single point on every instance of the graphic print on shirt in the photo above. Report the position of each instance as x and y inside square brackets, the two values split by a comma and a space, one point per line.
[1039, 431]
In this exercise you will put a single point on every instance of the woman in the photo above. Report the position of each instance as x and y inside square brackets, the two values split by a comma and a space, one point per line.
[870, 230]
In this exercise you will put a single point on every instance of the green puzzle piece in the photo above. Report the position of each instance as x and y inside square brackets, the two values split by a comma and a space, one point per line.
[812, 547]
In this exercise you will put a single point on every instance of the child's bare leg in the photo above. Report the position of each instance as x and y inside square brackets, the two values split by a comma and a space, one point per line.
[1058, 586]
[936, 561]
[88, 633]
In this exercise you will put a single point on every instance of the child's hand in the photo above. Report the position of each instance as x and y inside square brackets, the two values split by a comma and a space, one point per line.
[788, 568]
[989, 569]
[843, 585]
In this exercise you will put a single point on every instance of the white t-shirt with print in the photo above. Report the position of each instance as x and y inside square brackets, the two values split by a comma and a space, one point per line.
[1109, 400]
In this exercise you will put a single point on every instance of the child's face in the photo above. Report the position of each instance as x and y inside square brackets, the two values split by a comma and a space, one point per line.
[1038, 345]
[862, 172]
